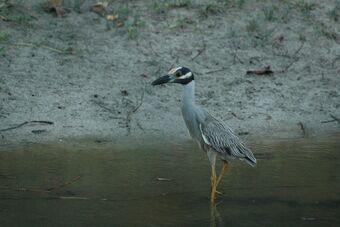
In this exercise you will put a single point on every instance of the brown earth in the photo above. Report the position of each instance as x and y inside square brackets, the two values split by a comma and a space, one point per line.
[91, 77]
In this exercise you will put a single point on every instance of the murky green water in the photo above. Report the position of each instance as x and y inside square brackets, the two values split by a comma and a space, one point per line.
[86, 183]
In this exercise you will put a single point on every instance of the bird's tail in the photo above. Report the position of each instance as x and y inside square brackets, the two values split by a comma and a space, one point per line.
[250, 158]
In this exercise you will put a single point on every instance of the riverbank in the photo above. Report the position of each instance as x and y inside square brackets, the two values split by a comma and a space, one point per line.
[81, 75]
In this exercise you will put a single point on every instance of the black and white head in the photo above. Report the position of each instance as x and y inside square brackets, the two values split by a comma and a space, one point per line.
[180, 75]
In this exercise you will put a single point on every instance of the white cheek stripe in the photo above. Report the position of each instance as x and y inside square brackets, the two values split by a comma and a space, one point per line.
[189, 74]
[172, 71]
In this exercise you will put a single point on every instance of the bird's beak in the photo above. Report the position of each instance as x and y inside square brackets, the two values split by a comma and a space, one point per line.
[162, 80]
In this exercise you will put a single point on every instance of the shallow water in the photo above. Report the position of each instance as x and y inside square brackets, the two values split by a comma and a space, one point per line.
[98, 183]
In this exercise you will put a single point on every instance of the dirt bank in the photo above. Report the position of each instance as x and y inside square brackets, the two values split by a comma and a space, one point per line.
[91, 77]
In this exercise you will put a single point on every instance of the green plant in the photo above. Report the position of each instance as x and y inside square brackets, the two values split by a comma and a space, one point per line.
[325, 31]
[181, 22]
[179, 3]
[4, 7]
[305, 6]
[158, 6]
[10, 13]
[123, 17]
[233, 3]
[252, 26]
[3, 36]
[77, 4]
[212, 8]
[240, 3]
[162, 6]
[132, 26]
[334, 14]
[123, 12]
[4, 4]
[269, 13]
[302, 37]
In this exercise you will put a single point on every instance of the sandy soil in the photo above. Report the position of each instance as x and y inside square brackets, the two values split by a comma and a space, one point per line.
[91, 77]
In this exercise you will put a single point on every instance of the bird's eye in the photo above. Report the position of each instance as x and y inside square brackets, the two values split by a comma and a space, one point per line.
[178, 74]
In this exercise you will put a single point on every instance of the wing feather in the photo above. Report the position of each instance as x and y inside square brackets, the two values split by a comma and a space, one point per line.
[222, 139]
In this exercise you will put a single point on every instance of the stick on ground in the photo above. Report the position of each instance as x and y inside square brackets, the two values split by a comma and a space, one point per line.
[27, 122]
[264, 71]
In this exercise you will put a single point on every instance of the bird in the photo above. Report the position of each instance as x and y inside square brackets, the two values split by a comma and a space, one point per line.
[212, 135]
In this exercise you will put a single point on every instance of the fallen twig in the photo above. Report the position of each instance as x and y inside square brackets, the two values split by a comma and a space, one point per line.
[302, 128]
[60, 51]
[133, 110]
[153, 51]
[215, 71]
[334, 119]
[3, 18]
[234, 48]
[234, 114]
[298, 50]
[237, 57]
[199, 51]
[27, 122]
[295, 59]
[264, 71]
[139, 104]
[64, 184]
[140, 126]
[101, 105]
[329, 121]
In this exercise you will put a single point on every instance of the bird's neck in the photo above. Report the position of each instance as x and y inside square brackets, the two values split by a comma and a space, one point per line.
[188, 97]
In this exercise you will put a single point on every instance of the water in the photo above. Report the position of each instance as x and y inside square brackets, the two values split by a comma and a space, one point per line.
[98, 183]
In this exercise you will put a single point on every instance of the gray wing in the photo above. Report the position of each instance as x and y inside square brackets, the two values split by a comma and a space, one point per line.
[222, 139]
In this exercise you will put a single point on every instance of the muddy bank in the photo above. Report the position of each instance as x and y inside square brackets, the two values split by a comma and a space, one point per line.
[83, 76]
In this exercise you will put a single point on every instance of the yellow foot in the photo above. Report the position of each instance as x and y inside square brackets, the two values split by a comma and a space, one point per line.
[219, 193]
[214, 194]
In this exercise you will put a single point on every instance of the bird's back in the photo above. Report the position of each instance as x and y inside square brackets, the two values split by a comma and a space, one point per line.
[224, 141]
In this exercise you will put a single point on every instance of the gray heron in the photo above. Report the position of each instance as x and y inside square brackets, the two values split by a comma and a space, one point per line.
[213, 136]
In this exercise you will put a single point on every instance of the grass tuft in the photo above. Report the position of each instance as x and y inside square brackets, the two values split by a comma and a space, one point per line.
[253, 26]
[305, 6]
[3, 36]
[162, 6]
[334, 14]
[269, 13]
[133, 25]
[234, 3]
[181, 22]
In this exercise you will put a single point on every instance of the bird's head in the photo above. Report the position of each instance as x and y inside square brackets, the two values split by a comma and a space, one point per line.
[181, 75]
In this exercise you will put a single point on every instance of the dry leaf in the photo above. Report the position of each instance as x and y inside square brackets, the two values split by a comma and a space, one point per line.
[112, 17]
[120, 24]
[57, 7]
[56, 3]
[264, 71]
[99, 8]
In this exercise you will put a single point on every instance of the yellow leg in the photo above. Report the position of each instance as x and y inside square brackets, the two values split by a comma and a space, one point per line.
[223, 171]
[213, 180]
